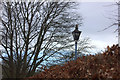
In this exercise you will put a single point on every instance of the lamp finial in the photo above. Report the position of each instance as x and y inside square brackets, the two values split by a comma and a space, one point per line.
[76, 26]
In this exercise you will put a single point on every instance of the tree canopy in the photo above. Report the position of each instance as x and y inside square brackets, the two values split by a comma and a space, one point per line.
[33, 32]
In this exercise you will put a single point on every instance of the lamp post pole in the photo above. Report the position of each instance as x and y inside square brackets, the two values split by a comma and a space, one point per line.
[76, 33]
[75, 50]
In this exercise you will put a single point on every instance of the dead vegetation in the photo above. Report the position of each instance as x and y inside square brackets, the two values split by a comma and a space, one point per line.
[104, 65]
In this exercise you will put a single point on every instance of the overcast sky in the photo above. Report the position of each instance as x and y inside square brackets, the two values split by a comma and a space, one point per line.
[95, 18]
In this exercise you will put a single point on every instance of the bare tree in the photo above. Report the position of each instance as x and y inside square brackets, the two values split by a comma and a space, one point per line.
[84, 47]
[33, 32]
[116, 22]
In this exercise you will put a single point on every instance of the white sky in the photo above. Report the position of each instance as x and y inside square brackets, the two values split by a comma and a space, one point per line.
[95, 15]
[95, 19]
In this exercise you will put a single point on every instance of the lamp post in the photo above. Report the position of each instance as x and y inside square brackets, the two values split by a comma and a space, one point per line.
[76, 33]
